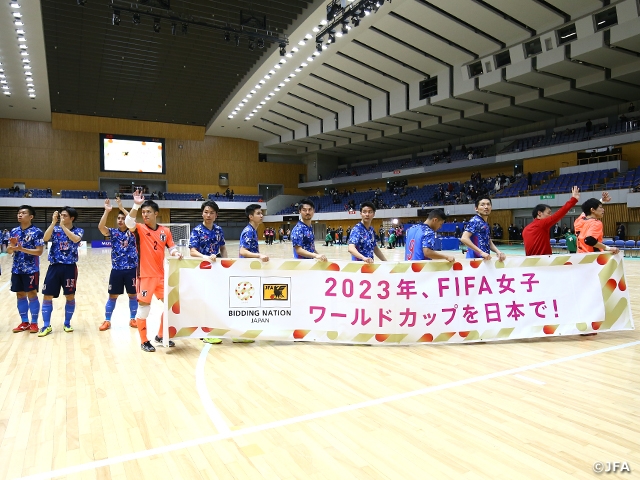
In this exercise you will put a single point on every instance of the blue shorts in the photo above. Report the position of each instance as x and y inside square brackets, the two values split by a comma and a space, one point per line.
[25, 282]
[119, 280]
[60, 275]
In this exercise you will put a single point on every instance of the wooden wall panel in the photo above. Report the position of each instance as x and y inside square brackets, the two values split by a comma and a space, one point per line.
[35, 153]
[122, 126]
[631, 154]
[552, 162]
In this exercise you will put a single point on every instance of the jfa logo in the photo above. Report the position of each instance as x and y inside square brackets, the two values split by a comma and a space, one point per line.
[275, 292]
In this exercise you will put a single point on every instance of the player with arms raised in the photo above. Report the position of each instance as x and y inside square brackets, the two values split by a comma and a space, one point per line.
[124, 262]
[151, 240]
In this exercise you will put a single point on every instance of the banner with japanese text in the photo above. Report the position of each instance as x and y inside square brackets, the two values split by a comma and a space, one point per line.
[397, 302]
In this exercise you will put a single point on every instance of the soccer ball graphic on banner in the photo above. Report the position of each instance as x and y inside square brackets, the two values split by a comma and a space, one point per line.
[244, 291]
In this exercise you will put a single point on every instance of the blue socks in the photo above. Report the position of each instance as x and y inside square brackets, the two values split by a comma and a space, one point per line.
[69, 308]
[111, 304]
[133, 307]
[47, 308]
[34, 307]
[23, 309]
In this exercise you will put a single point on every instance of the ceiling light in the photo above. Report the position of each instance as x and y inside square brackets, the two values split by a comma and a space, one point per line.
[18, 23]
[7, 92]
[3, 81]
[246, 118]
[339, 34]
[251, 114]
[263, 102]
[277, 89]
[259, 107]
[301, 42]
[303, 64]
[20, 31]
[17, 14]
[258, 87]
[249, 96]
[323, 22]
[253, 91]
[309, 59]
[31, 90]
[24, 54]
[30, 85]
[27, 67]
[28, 74]
[271, 94]
[281, 84]
[272, 72]
[267, 77]
[230, 116]
[4, 87]
[292, 75]
[277, 66]
[26, 60]
[282, 60]
[294, 49]
[23, 47]
[287, 80]
[324, 47]
[298, 70]
[255, 110]
[289, 55]
[22, 39]
[308, 36]
[2, 75]
[32, 95]
[136, 19]
[315, 29]
[15, 5]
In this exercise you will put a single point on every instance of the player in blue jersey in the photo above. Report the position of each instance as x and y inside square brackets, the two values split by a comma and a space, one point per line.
[302, 237]
[62, 271]
[26, 244]
[249, 236]
[421, 239]
[362, 238]
[477, 233]
[207, 241]
[124, 263]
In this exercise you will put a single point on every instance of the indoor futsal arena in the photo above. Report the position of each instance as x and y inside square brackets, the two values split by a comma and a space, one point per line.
[304, 239]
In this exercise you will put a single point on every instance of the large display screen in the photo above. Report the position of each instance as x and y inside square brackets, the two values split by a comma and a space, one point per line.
[120, 153]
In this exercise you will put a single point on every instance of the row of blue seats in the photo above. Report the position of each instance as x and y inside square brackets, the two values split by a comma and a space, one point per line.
[629, 246]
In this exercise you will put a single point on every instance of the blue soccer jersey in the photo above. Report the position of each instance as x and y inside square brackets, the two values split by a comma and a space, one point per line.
[205, 241]
[30, 238]
[364, 239]
[480, 236]
[124, 254]
[419, 237]
[302, 236]
[63, 250]
[249, 239]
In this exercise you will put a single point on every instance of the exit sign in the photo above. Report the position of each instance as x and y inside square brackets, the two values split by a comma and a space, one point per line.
[547, 197]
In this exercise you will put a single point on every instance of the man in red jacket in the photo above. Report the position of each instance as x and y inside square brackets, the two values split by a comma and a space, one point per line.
[536, 234]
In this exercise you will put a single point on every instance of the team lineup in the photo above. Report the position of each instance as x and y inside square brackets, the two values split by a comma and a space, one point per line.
[138, 252]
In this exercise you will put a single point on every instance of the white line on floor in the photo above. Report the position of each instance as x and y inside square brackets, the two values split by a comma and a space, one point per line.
[312, 416]
[5, 286]
[529, 379]
[201, 385]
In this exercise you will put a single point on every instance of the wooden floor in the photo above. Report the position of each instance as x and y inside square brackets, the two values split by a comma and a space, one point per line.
[91, 404]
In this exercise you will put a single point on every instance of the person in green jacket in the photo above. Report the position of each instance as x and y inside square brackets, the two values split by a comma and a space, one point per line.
[572, 242]
[392, 239]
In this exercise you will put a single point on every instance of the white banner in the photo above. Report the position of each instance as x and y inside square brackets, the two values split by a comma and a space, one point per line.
[397, 302]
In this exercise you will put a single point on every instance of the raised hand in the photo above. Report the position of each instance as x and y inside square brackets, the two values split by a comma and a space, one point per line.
[55, 217]
[606, 197]
[575, 193]
[107, 205]
[138, 197]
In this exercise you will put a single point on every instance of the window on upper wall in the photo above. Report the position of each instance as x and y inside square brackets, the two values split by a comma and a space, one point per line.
[475, 69]
[567, 34]
[532, 48]
[428, 88]
[606, 18]
[503, 59]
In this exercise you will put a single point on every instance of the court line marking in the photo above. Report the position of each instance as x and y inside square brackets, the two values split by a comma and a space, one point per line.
[312, 416]
[201, 386]
[5, 286]
[529, 379]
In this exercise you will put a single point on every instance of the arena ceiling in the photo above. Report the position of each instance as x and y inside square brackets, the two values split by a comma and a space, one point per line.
[361, 94]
